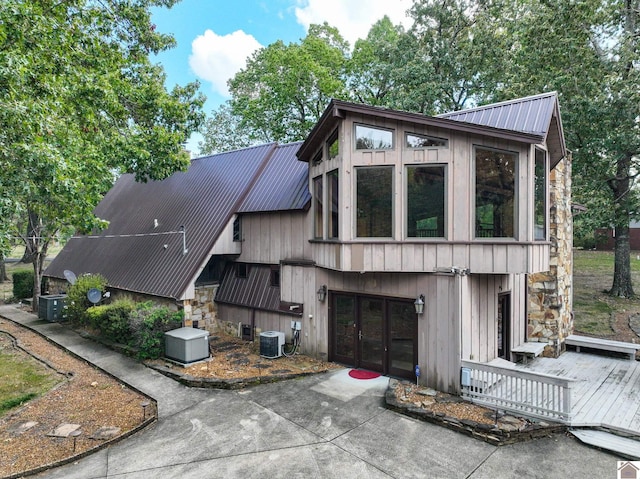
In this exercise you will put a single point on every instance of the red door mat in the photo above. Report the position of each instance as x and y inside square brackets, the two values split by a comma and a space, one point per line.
[361, 374]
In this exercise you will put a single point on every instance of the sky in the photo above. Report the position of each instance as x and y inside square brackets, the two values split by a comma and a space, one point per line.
[215, 37]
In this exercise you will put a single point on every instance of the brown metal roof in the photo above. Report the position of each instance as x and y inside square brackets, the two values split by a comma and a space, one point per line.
[537, 115]
[283, 184]
[142, 249]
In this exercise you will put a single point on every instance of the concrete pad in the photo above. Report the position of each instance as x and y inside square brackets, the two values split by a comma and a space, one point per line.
[345, 388]
[63, 430]
[90, 467]
[557, 456]
[405, 447]
[225, 426]
[317, 461]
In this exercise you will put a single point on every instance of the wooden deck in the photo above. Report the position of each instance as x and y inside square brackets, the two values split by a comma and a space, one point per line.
[606, 392]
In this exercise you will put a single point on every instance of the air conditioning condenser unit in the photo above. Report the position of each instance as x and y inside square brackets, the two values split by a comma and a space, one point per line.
[271, 344]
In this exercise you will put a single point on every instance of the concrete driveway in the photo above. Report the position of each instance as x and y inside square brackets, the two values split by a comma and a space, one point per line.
[325, 426]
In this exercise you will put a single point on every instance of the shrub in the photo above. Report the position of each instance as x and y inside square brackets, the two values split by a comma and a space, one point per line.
[149, 325]
[77, 302]
[22, 284]
[112, 320]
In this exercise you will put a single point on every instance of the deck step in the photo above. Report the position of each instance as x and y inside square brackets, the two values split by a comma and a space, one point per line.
[626, 447]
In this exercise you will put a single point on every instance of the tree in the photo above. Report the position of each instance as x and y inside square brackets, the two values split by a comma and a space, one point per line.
[589, 52]
[222, 131]
[284, 89]
[82, 103]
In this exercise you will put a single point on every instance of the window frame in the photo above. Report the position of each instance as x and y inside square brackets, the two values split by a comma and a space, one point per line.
[333, 140]
[242, 270]
[359, 169]
[516, 189]
[274, 276]
[237, 229]
[426, 137]
[333, 216]
[378, 128]
[318, 207]
[545, 193]
[445, 201]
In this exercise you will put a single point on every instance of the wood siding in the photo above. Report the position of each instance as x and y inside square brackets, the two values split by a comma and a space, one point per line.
[271, 237]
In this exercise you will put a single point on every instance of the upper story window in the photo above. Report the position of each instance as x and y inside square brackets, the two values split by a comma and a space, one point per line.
[495, 184]
[540, 196]
[414, 140]
[237, 229]
[275, 276]
[333, 146]
[317, 159]
[242, 270]
[374, 202]
[425, 201]
[318, 232]
[372, 138]
[333, 202]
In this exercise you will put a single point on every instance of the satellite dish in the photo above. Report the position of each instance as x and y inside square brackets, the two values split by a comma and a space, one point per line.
[70, 276]
[94, 295]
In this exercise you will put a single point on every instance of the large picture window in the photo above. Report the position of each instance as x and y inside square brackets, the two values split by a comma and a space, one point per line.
[495, 208]
[371, 138]
[332, 186]
[540, 196]
[374, 202]
[425, 201]
[317, 207]
[414, 140]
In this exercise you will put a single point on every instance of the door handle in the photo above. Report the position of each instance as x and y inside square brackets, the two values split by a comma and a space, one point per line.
[360, 335]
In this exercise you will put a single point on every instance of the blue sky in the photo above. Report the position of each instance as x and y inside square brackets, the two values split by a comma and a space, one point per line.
[214, 37]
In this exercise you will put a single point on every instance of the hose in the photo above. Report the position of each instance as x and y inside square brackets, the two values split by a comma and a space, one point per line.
[295, 343]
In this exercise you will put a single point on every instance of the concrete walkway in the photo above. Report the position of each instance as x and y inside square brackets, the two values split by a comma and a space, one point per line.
[325, 426]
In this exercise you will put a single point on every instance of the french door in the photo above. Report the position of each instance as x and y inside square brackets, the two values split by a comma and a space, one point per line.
[375, 333]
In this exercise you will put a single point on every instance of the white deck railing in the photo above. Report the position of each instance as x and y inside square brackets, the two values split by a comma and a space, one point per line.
[523, 392]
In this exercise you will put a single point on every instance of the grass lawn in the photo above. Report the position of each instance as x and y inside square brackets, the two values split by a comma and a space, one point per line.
[592, 276]
[21, 377]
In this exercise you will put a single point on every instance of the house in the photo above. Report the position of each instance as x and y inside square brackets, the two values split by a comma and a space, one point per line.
[605, 238]
[394, 239]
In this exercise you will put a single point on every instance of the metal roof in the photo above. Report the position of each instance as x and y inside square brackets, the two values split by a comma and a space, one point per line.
[528, 120]
[142, 250]
[282, 185]
[254, 291]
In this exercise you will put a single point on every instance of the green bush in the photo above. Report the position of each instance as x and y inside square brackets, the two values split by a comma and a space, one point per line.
[77, 302]
[149, 324]
[23, 284]
[112, 320]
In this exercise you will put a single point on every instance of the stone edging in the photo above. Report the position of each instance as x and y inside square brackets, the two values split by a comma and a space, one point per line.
[217, 383]
[485, 432]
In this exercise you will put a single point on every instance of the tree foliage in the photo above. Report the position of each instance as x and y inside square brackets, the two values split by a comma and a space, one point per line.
[82, 103]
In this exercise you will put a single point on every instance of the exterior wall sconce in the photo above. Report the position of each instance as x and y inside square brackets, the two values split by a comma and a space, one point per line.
[419, 304]
[322, 293]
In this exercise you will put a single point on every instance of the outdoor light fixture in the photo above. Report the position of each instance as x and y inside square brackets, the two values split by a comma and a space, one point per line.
[322, 293]
[419, 304]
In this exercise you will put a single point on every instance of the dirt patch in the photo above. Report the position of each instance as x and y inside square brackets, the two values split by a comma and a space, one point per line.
[87, 397]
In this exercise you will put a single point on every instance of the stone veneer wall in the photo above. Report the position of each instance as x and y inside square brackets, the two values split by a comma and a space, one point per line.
[202, 308]
[550, 309]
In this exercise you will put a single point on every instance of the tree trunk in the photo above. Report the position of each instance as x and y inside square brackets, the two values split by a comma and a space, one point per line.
[3, 270]
[622, 286]
[621, 189]
[38, 268]
[32, 239]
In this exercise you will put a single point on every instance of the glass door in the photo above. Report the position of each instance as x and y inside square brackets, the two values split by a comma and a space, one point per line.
[403, 339]
[370, 334]
[344, 329]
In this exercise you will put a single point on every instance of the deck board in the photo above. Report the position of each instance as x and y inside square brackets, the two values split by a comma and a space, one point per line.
[606, 391]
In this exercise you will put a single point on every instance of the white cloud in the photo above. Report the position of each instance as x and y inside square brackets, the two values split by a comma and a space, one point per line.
[217, 58]
[353, 18]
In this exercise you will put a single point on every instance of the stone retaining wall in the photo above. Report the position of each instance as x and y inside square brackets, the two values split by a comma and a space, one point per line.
[202, 309]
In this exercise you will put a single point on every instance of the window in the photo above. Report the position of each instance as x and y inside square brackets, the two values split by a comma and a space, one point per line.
[374, 202]
[540, 196]
[333, 147]
[414, 140]
[237, 229]
[425, 201]
[317, 207]
[242, 270]
[495, 206]
[370, 138]
[275, 276]
[317, 159]
[332, 185]
[212, 272]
